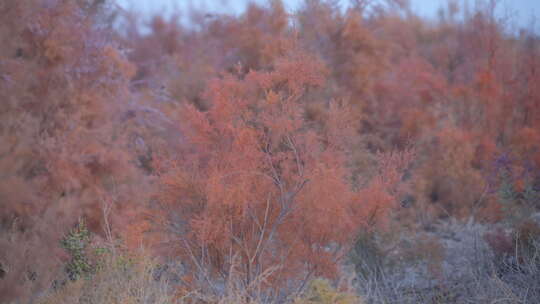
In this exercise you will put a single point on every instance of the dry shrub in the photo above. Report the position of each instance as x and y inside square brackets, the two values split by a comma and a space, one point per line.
[320, 291]
[515, 250]
[262, 182]
[30, 260]
[528, 240]
[429, 251]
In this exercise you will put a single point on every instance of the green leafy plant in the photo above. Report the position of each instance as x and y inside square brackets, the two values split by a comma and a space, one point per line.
[76, 244]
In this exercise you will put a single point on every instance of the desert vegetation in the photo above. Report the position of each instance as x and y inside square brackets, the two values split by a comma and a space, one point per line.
[324, 155]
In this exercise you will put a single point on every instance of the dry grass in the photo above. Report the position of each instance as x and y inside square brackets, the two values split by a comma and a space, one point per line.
[119, 279]
[470, 273]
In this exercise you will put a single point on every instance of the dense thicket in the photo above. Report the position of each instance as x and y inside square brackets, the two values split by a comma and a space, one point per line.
[259, 146]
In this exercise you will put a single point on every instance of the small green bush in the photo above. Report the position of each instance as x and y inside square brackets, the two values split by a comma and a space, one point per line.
[76, 244]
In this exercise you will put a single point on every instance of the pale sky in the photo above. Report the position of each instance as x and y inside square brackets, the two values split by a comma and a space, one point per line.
[521, 10]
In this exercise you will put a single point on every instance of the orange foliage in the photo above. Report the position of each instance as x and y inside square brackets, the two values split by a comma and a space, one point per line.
[59, 153]
[268, 139]
[262, 185]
